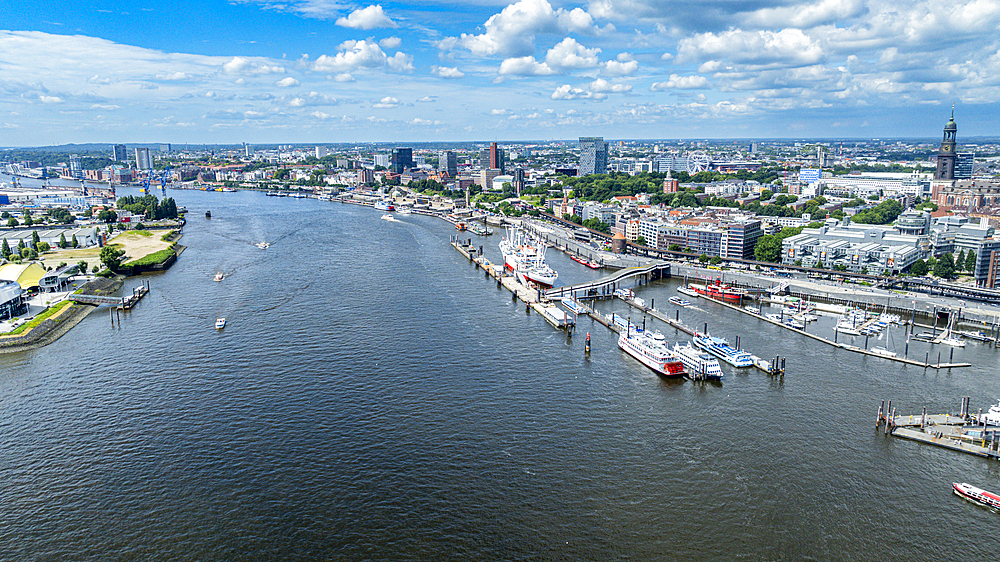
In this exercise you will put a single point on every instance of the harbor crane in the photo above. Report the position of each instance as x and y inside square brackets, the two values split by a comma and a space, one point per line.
[152, 175]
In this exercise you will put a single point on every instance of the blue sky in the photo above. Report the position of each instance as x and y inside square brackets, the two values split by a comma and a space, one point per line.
[270, 71]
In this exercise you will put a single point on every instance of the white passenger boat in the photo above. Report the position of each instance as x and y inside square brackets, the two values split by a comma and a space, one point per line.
[720, 348]
[384, 205]
[652, 351]
[977, 495]
[575, 306]
[992, 416]
[625, 294]
[698, 364]
[220, 323]
[679, 301]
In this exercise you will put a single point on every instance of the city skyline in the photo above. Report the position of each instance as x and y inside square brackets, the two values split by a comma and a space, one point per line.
[325, 71]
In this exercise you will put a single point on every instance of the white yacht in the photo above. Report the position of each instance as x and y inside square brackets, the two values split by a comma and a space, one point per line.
[220, 323]
[883, 351]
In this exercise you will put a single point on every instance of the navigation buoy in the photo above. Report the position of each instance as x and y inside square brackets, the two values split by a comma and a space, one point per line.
[586, 348]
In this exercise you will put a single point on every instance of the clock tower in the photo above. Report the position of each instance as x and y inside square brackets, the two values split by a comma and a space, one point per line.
[946, 155]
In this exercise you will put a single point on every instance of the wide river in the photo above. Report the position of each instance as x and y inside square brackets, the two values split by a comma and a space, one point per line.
[375, 397]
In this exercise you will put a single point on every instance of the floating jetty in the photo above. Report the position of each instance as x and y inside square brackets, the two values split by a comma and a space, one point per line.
[125, 302]
[926, 364]
[963, 432]
[774, 366]
[534, 298]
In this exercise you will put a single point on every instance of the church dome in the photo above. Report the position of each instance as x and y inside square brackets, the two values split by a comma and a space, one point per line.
[951, 125]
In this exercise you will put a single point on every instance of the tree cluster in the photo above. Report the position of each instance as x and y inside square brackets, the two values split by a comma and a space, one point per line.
[149, 206]
[883, 213]
[768, 247]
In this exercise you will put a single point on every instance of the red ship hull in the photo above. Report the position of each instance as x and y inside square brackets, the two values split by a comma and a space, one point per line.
[718, 293]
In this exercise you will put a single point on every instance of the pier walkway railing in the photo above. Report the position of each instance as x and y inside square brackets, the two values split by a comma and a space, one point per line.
[606, 286]
[96, 300]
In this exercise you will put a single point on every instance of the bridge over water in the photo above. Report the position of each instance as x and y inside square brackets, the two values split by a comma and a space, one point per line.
[606, 286]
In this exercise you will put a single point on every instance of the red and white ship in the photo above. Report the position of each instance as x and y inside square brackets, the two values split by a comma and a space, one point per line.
[590, 264]
[652, 351]
[717, 290]
[977, 495]
[526, 258]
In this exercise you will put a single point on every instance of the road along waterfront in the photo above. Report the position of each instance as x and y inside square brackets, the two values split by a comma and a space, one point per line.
[374, 396]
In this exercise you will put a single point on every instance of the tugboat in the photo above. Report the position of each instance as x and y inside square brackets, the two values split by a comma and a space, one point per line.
[208, 214]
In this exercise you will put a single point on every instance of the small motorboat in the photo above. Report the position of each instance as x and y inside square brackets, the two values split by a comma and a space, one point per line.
[220, 276]
[262, 245]
[220, 323]
[679, 301]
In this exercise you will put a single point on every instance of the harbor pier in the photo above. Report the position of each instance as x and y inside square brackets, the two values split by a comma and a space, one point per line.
[926, 364]
[534, 298]
[963, 432]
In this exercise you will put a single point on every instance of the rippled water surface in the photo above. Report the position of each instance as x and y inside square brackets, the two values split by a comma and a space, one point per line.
[375, 397]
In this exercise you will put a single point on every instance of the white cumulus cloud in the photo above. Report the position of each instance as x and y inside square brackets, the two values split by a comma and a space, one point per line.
[387, 103]
[567, 92]
[364, 54]
[603, 86]
[525, 66]
[511, 33]
[248, 65]
[287, 82]
[447, 72]
[568, 53]
[390, 43]
[676, 82]
[367, 18]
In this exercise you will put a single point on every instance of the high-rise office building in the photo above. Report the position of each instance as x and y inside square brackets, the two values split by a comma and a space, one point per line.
[593, 155]
[119, 153]
[493, 158]
[400, 159]
[964, 163]
[142, 159]
[448, 163]
[946, 156]
[165, 147]
[497, 160]
[518, 180]
[75, 166]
